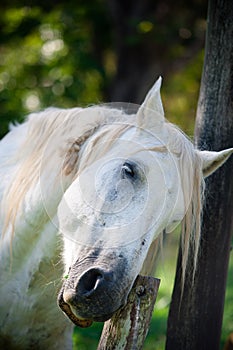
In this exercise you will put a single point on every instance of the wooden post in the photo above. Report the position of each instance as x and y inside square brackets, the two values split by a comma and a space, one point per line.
[128, 328]
[195, 322]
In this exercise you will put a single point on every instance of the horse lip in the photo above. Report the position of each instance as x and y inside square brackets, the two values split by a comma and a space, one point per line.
[80, 322]
[103, 318]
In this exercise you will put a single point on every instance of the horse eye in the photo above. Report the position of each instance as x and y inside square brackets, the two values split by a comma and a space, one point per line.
[128, 170]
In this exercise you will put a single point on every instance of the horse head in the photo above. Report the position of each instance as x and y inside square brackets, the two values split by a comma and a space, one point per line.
[136, 177]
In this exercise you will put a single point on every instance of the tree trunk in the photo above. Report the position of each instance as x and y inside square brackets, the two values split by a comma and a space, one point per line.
[143, 54]
[128, 328]
[195, 322]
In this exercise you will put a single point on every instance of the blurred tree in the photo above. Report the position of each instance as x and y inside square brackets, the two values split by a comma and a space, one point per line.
[50, 55]
[70, 53]
[195, 320]
[153, 38]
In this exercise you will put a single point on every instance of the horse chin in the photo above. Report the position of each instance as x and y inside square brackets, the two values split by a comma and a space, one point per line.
[103, 318]
[80, 318]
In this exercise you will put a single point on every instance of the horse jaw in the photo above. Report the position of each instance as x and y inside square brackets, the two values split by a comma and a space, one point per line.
[150, 115]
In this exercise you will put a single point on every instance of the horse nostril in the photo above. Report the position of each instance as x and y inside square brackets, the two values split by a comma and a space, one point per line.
[90, 281]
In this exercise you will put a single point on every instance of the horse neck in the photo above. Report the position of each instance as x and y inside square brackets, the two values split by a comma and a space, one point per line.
[30, 263]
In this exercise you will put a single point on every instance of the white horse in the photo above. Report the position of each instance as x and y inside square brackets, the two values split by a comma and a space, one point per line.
[85, 193]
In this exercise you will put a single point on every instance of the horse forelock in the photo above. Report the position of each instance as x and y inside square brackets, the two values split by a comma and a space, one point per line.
[55, 136]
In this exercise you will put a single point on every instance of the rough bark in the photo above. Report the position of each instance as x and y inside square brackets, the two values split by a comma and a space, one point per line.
[195, 322]
[128, 328]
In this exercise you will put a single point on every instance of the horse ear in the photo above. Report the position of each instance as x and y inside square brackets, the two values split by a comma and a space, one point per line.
[151, 114]
[213, 160]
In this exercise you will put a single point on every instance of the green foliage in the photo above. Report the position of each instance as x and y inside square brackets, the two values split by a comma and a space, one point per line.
[180, 94]
[63, 55]
[87, 338]
[49, 57]
[228, 309]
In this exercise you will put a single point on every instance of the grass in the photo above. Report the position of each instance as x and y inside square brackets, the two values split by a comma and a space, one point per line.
[87, 339]
[228, 308]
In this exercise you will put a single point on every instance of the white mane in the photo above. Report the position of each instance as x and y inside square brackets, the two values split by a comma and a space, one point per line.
[193, 188]
[65, 131]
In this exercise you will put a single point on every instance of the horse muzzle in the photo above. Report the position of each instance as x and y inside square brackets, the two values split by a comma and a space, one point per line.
[94, 295]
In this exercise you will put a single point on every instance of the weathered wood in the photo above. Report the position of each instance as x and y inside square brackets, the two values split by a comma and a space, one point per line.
[195, 323]
[128, 328]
